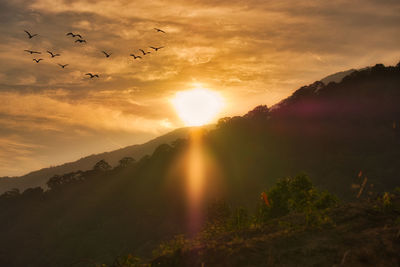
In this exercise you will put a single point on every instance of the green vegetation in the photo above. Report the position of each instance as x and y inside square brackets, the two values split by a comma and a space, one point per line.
[297, 195]
[358, 234]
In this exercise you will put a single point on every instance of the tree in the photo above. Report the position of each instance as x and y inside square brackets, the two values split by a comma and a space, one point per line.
[295, 195]
[161, 150]
[57, 181]
[102, 166]
[11, 193]
[125, 161]
[223, 122]
[259, 112]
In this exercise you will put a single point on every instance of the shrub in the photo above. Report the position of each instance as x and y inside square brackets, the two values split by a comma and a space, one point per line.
[296, 195]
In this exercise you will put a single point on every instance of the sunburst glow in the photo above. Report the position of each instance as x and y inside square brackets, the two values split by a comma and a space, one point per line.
[198, 106]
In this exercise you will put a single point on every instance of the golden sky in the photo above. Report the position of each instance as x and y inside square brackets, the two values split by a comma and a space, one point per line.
[251, 52]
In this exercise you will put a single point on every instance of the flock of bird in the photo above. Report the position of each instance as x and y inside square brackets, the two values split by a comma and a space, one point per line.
[81, 41]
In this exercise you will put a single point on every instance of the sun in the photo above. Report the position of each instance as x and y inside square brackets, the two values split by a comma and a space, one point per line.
[198, 106]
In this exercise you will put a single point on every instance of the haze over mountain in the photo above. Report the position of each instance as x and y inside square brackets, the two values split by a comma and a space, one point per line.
[335, 133]
[40, 177]
[337, 77]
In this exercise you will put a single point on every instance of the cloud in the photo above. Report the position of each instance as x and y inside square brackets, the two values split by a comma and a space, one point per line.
[100, 116]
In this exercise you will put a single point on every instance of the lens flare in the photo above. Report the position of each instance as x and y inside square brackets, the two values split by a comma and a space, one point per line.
[195, 180]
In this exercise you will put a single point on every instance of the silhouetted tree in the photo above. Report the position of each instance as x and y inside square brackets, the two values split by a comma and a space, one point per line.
[59, 180]
[161, 150]
[125, 161]
[11, 193]
[223, 122]
[102, 165]
[261, 111]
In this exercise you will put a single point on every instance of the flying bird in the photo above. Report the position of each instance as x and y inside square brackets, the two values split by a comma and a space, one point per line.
[62, 66]
[144, 53]
[135, 57]
[32, 52]
[80, 41]
[37, 60]
[106, 54]
[92, 75]
[74, 35]
[156, 48]
[53, 55]
[159, 30]
[30, 36]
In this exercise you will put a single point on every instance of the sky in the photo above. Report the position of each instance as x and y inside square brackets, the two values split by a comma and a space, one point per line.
[250, 52]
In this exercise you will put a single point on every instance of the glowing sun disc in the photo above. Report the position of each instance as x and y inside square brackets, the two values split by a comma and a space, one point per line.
[198, 106]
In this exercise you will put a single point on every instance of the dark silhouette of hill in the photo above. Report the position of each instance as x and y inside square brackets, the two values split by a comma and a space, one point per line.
[40, 177]
[344, 135]
[332, 132]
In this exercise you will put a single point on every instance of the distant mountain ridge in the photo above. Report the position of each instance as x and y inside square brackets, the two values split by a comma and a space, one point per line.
[337, 77]
[40, 177]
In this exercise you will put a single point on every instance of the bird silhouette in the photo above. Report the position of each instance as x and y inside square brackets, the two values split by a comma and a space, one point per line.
[37, 60]
[106, 54]
[53, 55]
[30, 36]
[159, 30]
[135, 57]
[62, 66]
[144, 53]
[156, 48]
[74, 35]
[80, 41]
[32, 52]
[92, 75]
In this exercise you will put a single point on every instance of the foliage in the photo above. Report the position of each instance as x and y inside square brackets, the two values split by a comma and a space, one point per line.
[102, 166]
[169, 247]
[296, 195]
[13, 193]
[385, 203]
[259, 112]
[240, 219]
[124, 162]
[58, 181]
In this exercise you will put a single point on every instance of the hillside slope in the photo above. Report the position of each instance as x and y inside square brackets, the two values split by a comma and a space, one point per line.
[40, 177]
[362, 234]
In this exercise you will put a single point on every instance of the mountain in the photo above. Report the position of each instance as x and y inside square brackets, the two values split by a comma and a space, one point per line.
[337, 77]
[344, 136]
[40, 177]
